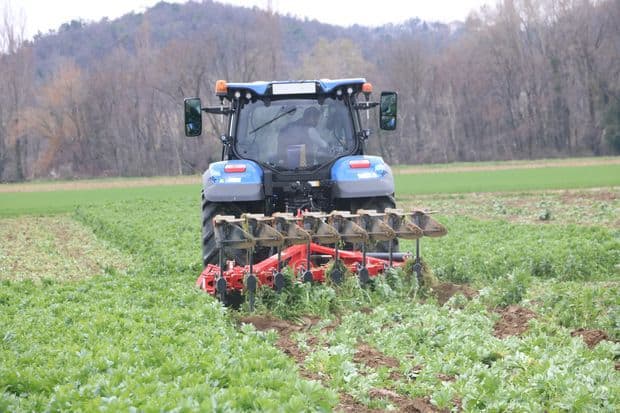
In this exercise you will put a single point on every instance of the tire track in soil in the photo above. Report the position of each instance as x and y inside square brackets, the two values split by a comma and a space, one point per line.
[364, 354]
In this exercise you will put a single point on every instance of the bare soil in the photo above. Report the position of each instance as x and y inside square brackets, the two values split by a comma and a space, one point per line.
[446, 377]
[373, 358]
[365, 354]
[348, 404]
[285, 343]
[405, 404]
[513, 322]
[591, 337]
[445, 291]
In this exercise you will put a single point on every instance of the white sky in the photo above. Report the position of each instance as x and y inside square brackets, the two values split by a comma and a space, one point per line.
[43, 15]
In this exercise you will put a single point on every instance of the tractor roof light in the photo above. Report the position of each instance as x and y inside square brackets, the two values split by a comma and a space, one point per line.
[367, 90]
[359, 164]
[234, 168]
[221, 88]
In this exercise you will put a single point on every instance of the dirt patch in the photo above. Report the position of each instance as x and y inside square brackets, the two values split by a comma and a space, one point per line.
[446, 377]
[365, 354]
[374, 358]
[348, 404]
[572, 197]
[445, 291]
[284, 327]
[591, 337]
[513, 322]
[332, 326]
[285, 343]
[405, 404]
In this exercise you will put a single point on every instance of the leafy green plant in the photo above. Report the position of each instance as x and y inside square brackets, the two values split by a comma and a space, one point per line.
[507, 290]
[113, 341]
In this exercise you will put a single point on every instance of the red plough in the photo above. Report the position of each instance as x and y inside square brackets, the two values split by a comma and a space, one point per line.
[299, 241]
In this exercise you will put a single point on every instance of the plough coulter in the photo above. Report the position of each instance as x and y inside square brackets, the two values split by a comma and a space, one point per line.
[315, 246]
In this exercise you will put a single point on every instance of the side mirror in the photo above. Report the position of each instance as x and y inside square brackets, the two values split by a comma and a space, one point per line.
[193, 117]
[388, 110]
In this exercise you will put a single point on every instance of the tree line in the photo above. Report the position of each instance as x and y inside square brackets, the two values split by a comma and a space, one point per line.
[523, 79]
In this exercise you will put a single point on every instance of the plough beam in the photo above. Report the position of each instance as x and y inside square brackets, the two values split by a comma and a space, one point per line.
[299, 239]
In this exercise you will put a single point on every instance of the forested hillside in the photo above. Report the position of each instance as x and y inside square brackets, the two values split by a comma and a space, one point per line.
[527, 79]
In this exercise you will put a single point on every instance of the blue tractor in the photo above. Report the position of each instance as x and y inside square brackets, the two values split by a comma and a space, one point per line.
[292, 146]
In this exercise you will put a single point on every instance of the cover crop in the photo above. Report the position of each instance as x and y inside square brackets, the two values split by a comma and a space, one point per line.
[149, 340]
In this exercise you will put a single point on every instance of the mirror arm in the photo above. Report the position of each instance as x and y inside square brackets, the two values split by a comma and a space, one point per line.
[218, 110]
[365, 105]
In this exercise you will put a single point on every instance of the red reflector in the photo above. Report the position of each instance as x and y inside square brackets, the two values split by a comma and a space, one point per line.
[231, 168]
[361, 163]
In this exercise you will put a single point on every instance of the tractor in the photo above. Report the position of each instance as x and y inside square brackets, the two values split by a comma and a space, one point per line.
[295, 187]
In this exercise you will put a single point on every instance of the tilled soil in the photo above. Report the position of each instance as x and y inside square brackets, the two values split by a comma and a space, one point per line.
[445, 291]
[365, 354]
[374, 358]
[513, 322]
[591, 337]
[405, 404]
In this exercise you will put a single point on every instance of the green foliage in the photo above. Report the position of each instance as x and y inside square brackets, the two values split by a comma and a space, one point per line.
[530, 373]
[481, 252]
[521, 179]
[324, 300]
[147, 340]
[588, 207]
[54, 202]
[578, 305]
[509, 180]
[507, 290]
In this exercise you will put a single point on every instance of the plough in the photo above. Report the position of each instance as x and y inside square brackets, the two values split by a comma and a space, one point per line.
[308, 243]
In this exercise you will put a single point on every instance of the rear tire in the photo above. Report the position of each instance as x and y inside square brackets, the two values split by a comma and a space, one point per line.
[210, 253]
[379, 203]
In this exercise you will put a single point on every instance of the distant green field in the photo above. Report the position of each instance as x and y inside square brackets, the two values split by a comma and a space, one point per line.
[509, 180]
[504, 180]
[54, 202]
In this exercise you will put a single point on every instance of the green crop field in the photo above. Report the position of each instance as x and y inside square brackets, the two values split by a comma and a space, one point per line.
[520, 310]
[27, 199]
[525, 179]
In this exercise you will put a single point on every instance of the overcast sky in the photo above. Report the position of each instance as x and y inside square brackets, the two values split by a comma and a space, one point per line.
[43, 15]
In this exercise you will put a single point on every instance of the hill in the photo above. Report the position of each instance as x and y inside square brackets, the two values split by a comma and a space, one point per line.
[103, 98]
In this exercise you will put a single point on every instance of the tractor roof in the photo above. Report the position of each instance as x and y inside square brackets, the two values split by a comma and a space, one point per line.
[289, 87]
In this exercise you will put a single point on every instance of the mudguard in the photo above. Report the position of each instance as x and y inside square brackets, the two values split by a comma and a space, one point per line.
[238, 180]
[361, 176]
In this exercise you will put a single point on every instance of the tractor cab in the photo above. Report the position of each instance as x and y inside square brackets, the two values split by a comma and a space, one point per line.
[293, 126]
